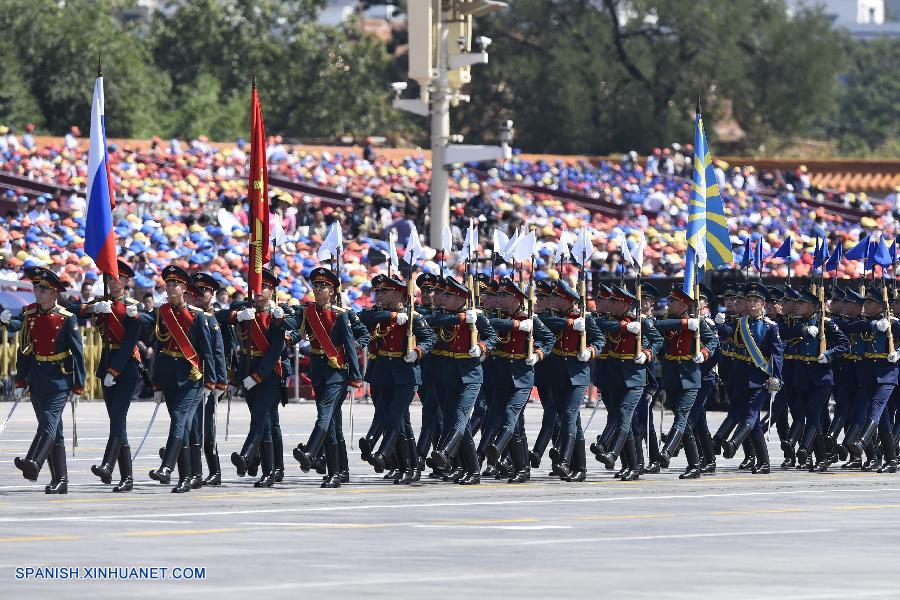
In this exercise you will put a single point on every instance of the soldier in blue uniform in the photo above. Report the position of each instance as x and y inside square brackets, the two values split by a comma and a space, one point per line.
[819, 343]
[185, 358]
[119, 369]
[513, 376]
[50, 366]
[709, 380]
[689, 342]
[569, 371]
[459, 376]
[261, 331]
[632, 345]
[334, 365]
[394, 372]
[544, 307]
[760, 353]
[877, 378]
[203, 425]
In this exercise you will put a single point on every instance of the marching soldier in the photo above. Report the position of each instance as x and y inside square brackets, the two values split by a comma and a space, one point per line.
[334, 365]
[818, 342]
[50, 366]
[203, 427]
[460, 376]
[689, 342]
[633, 343]
[513, 376]
[178, 374]
[709, 380]
[544, 303]
[601, 380]
[394, 371]
[261, 328]
[431, 414]
[570, 373]
[119, 369]
[642, 422]
[760, 353]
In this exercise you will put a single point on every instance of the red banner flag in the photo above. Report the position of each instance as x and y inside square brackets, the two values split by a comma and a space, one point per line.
[258, 195]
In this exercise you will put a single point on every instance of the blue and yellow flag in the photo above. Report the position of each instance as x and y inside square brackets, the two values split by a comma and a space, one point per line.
[695, 259]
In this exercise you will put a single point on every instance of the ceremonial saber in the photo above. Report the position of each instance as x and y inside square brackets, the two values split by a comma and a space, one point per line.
[228, 412]
[149, 427]
[9, 416]
[74, 404]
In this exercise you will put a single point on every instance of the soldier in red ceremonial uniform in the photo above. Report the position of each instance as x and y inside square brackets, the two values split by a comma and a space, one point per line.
[119, 369]
[261, 328]
[184, 356]
[334, 365]
[50, 365]
[395, 355]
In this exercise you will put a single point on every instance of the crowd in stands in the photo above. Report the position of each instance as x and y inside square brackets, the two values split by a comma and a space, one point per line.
[183, 202]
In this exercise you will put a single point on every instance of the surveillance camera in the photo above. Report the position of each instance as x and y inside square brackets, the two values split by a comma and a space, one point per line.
[483, 42]
[399, 87]
[506, 132]
[461, 41]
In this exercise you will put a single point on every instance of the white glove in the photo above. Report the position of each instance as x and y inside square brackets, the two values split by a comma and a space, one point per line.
[719, 318]
[5, 317]
[411, 357]
[584, 355]
[578, 324]
[527, 325]
[640, 358]
[18, 393]
[277, 312]
[131, 310]
[249, 382]
[812, 331]
[247, 314]
[531, 360]
[403, 318]
[633, 327]
[102, 307]
[475, 352]
[304, 345]
[882, 324]
[75, 398]
[471, 316]
[109, 380]
[822, 360]
[893, 356]
[699, 358]
[158, 396]
[693, 324]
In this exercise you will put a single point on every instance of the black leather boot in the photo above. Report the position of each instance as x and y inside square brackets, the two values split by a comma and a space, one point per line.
[170, 457]
[267, 456]
[693, 458]
[849, 437]
[333, 462]
[240, 463]
[518, 450]
[470, 462]
[184, 472]
[126, 482]
[653, 454]
[709, 454]
[253, 462]
[730, 447]
[441, 458]
[212, 464]
[196, 466]
[59, 483]
[306, 455]
[105, 468]
[31, 468]
[889, 452]
[634, 472]
[278, 456]
[579, 463]
[868, 434]
[405, 474]
[617, 443]
[496, 450]
[344, 461]
[762, 455]
[672, 441]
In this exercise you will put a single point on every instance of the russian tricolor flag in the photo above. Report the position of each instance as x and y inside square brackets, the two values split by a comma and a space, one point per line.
[100, 238]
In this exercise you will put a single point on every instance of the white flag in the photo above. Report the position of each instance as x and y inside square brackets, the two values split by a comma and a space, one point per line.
[639, 249]
[510, 246]
[332, 244]
[622, 242]
[392, 249]
[446, 241]
[413, 248]
[500, 241]
[562, 250]
[464, 251]
[526, 248]
[583, 249]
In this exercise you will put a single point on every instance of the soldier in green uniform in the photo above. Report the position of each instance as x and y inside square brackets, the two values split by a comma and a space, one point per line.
[50, 366]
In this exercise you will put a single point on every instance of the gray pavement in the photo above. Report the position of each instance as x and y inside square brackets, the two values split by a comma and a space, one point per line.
[731, 535]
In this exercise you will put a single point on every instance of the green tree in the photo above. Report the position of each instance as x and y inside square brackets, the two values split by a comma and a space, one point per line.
[17, 105]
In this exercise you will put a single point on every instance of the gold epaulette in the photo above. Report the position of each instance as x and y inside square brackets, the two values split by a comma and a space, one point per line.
[62, 311]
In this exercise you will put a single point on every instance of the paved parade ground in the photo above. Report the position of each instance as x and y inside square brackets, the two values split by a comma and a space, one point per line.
[732, 535]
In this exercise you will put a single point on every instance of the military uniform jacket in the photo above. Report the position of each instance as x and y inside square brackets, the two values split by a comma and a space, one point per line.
[119, 332]
[563, 361]
[217, 346]
[387, 348]
[767, 340]
[453, 344]
[679, 371]
[874, 368]
[261, 360]
[622, 345]
[808, 372]
[172, 367]
[50, 357]
[346, 336]
[508, 358]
